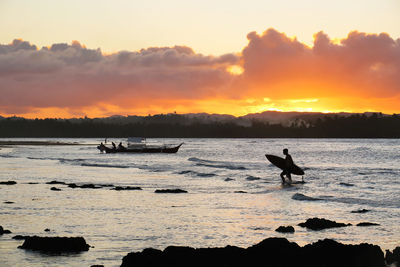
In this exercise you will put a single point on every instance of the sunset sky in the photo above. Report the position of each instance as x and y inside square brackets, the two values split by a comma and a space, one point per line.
[101, 58]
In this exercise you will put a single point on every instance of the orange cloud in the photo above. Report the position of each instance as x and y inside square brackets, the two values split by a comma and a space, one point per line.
[362, 65]
[359, 73]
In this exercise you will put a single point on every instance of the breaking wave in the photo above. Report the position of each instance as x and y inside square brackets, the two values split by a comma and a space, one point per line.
[216, 164]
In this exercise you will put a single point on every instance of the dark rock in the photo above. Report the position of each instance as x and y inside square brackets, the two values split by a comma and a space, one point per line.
[119, 188]
[332, 253]
[91, 186]
[392, 257]
[285, 229]
[106, 185]
[55, 182]
[8, 182]
[20, 237]
[85, 186]
[252, 178]
[240, 192]
[97, 265]
[72, 185]
[8, 202]
[270, 252]
[367, 224]
[55, 189]
[346, 184]
[319, 224]
[360, 211]
[47, 230]
[3, 231]
[301, 197]
[55, 244]
[228, 179]
[175, 191]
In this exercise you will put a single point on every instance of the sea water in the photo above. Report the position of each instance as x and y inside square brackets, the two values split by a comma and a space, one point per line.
[235, 196]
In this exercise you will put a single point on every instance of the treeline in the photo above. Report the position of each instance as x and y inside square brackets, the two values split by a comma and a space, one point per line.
[354, 126]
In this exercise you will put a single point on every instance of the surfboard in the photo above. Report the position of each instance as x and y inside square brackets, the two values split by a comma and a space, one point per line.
[280, 163]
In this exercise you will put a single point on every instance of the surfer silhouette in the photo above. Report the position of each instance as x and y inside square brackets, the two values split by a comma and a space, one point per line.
[288, 166]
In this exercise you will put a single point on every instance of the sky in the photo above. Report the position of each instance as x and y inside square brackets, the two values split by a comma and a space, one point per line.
[101, 58]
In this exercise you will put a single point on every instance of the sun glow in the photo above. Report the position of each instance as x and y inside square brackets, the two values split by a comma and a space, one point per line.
[235, 70]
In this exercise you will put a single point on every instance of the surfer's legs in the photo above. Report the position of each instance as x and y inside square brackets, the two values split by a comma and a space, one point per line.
[289, 176]
[282, 177]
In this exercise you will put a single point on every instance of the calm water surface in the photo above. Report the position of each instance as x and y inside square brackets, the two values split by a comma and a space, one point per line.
[234, 195]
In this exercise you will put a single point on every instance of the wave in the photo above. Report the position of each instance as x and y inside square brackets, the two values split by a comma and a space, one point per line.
[103, 165]
[216, 164]
[7, 156]
[199, 174]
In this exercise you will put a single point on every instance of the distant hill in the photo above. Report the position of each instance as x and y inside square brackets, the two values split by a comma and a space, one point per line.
[265, 124]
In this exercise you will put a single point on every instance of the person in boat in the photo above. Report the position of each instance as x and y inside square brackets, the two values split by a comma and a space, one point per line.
[288, 166]
[120, 146]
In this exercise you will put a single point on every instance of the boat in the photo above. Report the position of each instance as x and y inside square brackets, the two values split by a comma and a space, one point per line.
[139, 145]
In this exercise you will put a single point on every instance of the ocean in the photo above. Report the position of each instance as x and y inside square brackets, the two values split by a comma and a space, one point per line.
[234, 195]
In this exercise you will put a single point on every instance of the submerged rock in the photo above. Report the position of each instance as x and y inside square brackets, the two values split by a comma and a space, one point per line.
[269, 252]
[55, 182]
[174, 191]
[285, 229]
[299, 196]
[321, 223]
[360, 211]
[55, 189]
[367, 224]
[8, 182]
[346, 184]
[118, 188]
[4, 231]
[55, 244]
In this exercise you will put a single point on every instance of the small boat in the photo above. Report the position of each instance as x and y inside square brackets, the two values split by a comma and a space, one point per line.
[139, 145]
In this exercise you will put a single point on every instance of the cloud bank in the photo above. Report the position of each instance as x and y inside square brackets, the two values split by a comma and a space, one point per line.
[361, 68]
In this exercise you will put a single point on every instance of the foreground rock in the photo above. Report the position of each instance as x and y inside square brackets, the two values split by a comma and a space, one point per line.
[285, 229]
[270, 252]
[392, 257]
[55, 244]
[172, 191]
[3, 231]
[321, 223]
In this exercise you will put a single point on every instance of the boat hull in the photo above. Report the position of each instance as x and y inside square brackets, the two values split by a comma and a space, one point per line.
[174, 149]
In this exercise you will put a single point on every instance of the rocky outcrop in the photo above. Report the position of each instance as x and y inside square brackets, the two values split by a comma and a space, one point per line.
[119, 188]
[173, 191]
[55, 189]
[8, 182]
[360, 211]
[393, 257]
[367, 224]
[285, 229]
[4, 231]
[321, 223]
[55, 244]
[270, 252]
